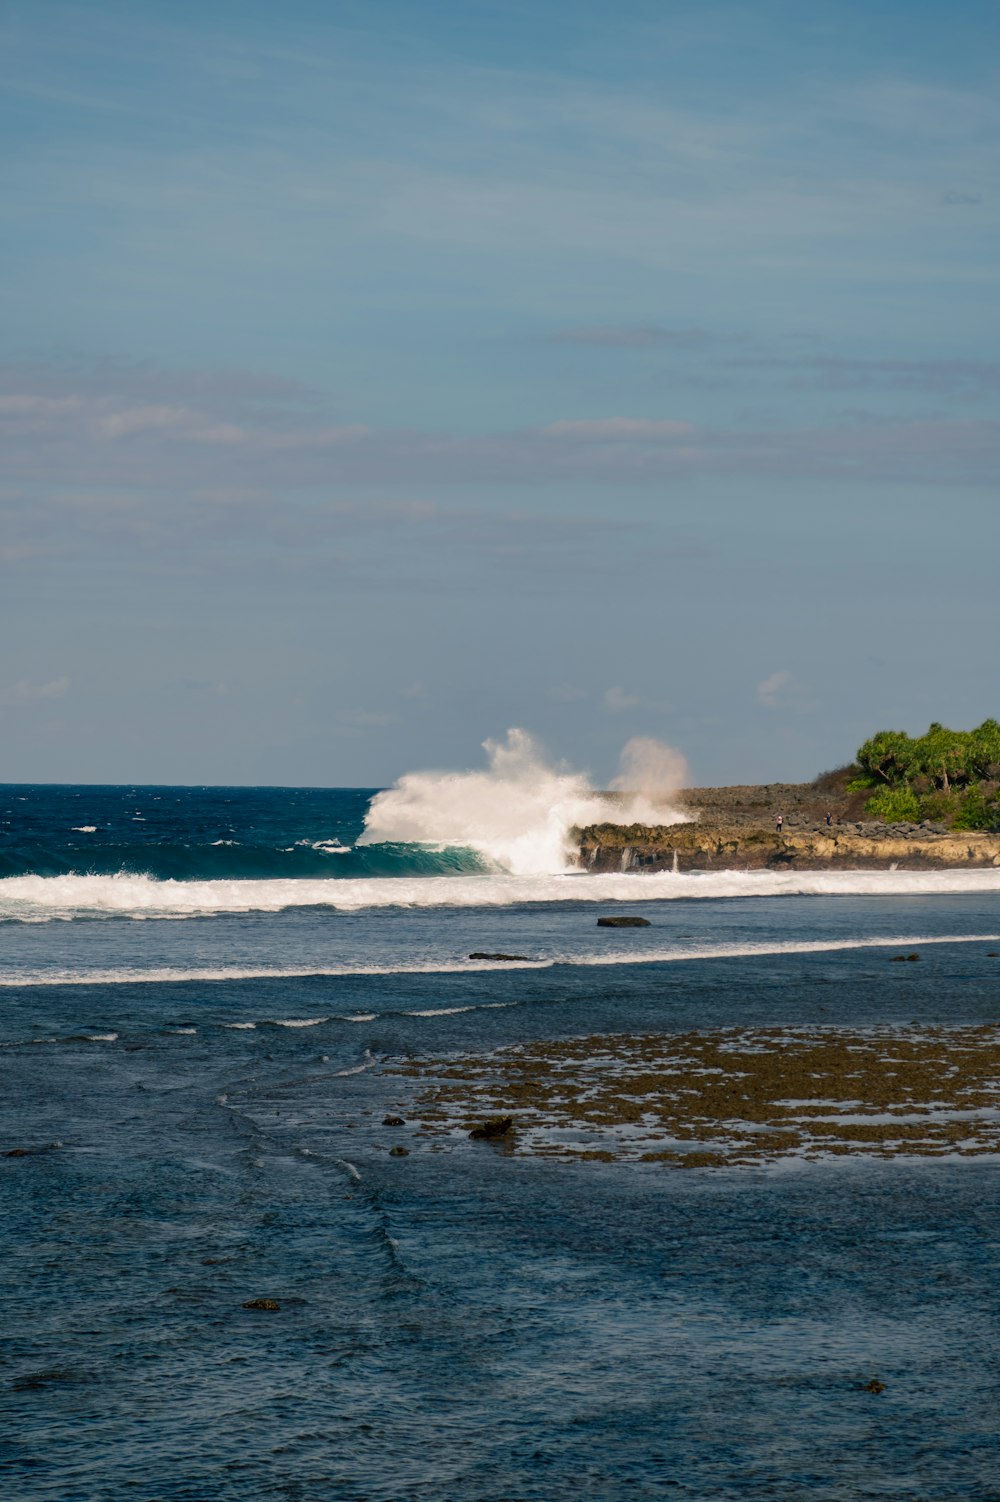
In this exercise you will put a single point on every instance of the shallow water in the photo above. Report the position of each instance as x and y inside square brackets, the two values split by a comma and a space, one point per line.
[466, 1322]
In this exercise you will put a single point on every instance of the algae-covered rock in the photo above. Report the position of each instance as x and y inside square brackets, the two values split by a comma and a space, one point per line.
[497, 1126]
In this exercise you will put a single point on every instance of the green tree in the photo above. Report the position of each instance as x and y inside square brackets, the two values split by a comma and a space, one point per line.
[945, 756]
[887, 757]
[986, 750]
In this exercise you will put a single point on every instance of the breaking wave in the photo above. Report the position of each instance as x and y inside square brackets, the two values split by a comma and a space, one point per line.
[519, 813]
[34, 899]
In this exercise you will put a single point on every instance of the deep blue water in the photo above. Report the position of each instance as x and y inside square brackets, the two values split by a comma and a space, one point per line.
[461, 1323]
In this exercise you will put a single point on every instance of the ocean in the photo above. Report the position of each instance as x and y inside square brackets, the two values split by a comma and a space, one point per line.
[211, 1000]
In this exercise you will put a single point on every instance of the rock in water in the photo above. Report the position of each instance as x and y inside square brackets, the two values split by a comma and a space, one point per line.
[271, 1305]
[393, 1121]
[481, 955]
[399, 1152]
[497, 1127]
[623, 922]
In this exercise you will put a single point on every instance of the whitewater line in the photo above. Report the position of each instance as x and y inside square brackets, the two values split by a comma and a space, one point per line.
[174, 975]
[42, 898]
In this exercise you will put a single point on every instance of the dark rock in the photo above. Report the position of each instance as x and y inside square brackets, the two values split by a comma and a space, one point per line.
[399, 1152]
[899, 959]
[913, 956]
[482, 955]
[393, 1121]
[623, 922]
[991, 954]
[269, 1304]
[874, 1386]
[18, 1152]
[498, 1126]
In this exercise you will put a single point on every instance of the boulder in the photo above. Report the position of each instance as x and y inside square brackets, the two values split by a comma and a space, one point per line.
[482, 955]
[623, 922]
[271, 1305]
[498, 1126]
[393, 1121]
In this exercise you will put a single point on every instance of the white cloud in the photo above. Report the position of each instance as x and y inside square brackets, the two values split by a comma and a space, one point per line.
[773, 692]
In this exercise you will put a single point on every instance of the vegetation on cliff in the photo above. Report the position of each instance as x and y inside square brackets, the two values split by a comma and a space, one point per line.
[949, 776]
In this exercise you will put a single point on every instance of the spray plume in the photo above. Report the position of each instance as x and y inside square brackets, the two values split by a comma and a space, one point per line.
[520, 812]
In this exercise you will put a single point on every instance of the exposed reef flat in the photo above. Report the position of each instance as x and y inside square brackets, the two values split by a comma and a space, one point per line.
[735, 828]
[729, 1096]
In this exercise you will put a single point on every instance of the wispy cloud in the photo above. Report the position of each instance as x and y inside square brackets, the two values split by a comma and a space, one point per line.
[617, 700]
[775, 690]
[634, 336]
[23, 692]
[566, 693]
[938, 377]
[106, 443]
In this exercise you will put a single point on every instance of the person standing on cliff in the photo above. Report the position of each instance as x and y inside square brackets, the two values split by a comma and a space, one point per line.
[829, 819]
[779, 823]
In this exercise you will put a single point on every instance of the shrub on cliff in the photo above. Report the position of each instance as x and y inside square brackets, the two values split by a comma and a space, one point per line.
[895, 806]
[977, 811]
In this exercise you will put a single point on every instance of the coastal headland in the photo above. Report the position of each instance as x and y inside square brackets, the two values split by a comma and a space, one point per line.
[736, 828]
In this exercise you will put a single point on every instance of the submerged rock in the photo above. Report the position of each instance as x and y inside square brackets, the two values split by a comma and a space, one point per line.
[399, 1152]
[498, 1126]
[623, 923]
[874, 1386]
[35, 1381]
[481, 955]
[393, 1121]
[271, 1305]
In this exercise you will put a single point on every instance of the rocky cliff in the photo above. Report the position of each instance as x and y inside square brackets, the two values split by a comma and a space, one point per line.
[713, 845]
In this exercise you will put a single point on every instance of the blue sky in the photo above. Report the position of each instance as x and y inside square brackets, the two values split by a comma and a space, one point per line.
[377, 377]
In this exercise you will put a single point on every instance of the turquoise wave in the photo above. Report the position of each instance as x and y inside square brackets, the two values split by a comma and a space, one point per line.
[235, 861]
